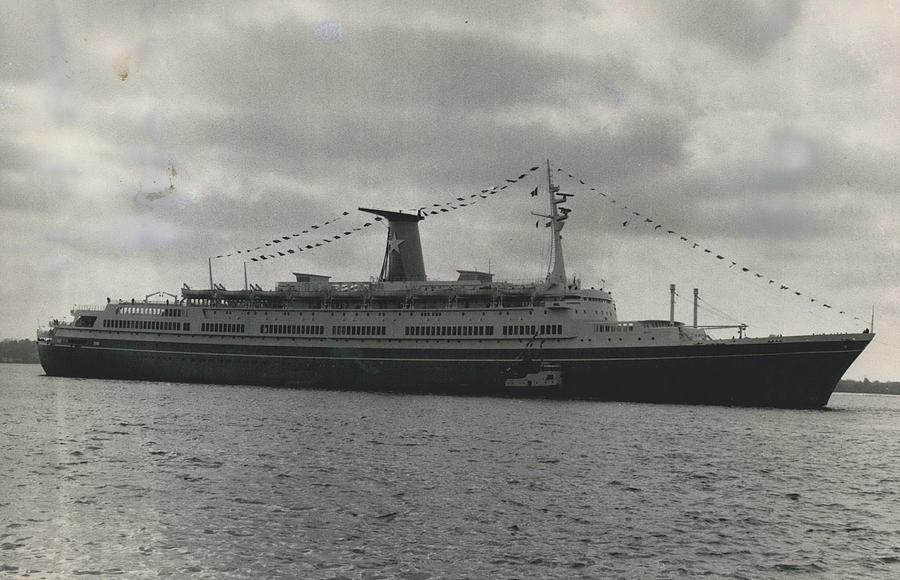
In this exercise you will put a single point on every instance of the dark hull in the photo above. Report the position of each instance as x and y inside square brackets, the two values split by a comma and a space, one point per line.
[770, 374]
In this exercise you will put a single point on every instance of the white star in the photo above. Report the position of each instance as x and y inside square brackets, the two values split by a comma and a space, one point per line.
[395, 243]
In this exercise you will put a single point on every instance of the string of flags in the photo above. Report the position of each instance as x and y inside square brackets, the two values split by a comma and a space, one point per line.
[637, 219]
[286, 238]
[284, 245]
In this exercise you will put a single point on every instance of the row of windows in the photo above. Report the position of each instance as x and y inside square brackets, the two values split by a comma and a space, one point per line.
[621, 327]
[146, 324]
[291, 329]
[449, 330]
[151, 311]
[221, 327]
[531, 329]
[356, 330]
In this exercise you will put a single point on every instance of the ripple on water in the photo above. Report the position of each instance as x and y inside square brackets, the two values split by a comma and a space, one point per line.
[245, 482]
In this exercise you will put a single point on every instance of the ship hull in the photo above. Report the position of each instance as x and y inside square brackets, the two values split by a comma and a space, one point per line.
[777, 373]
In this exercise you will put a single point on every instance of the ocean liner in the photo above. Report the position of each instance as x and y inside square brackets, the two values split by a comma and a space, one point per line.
[471, 336]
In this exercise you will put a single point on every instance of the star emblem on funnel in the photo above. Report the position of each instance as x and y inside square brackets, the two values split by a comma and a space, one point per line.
[395, 243]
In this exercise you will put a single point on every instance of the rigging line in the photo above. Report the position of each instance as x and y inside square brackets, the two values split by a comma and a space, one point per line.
[656, 226]
[308, 244]
[459, 202]
[284, 240]
[701, 303]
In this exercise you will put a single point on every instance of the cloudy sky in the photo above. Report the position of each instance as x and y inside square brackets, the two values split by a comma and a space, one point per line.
[766, 132]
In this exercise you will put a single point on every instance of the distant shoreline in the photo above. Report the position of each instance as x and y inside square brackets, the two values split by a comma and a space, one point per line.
[18, 351]
[867, 386]
[24, 351]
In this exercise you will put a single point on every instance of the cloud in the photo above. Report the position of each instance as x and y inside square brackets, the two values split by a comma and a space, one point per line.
[744, 29]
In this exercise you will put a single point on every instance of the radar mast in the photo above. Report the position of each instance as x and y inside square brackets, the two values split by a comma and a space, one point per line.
[556, 274]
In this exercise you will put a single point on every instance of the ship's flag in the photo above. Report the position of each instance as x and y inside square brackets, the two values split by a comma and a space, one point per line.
[535, 168]
[534, 192]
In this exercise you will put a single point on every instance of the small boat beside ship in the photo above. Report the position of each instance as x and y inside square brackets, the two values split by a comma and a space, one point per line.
[474, 336]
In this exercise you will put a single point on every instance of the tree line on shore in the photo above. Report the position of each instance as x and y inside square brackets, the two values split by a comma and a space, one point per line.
[18, 351]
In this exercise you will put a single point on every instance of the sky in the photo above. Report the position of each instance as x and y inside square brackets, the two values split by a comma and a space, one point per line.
[139, 139]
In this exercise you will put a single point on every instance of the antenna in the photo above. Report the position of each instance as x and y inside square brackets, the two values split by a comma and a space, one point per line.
[211, 287]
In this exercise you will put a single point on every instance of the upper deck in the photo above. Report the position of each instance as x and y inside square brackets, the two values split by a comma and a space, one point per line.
[429, 295]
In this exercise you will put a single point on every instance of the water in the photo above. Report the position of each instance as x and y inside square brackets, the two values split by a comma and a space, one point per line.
[138, 479]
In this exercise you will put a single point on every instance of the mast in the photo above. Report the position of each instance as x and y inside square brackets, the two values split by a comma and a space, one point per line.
[556, 276]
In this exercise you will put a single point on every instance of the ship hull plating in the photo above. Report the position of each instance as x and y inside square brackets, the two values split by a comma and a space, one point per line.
[770, 374]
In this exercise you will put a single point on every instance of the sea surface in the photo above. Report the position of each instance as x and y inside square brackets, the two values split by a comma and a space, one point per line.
[143, 480]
